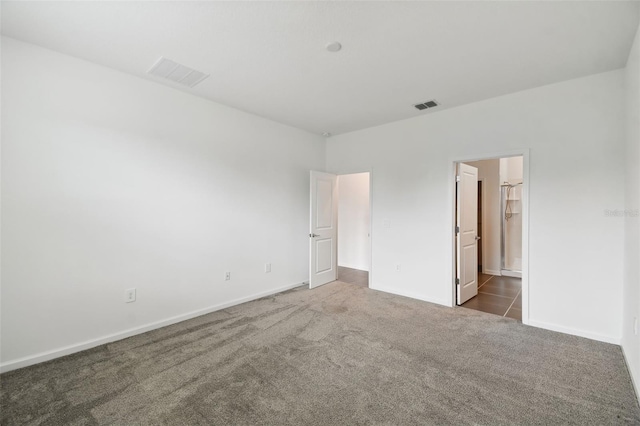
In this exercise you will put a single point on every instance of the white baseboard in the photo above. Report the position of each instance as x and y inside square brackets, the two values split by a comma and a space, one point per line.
[492, 272]
[514, 274]
[68, 350]
[411, 295]
[576, 332]
[352, 266]
[633, 379]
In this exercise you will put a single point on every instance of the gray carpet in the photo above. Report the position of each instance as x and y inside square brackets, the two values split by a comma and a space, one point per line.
[338, 354]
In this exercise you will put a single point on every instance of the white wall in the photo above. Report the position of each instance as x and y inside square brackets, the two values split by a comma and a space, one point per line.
[511, 170]
[631, 341]
[353, 221]
[489, 172]
[110, 182]
[575, 133]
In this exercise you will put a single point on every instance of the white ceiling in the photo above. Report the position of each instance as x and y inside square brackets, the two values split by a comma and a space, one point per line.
[269, 58]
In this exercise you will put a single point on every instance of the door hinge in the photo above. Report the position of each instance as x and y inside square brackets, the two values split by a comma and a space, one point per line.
[457, 280]
[457, 230]
[458, 178]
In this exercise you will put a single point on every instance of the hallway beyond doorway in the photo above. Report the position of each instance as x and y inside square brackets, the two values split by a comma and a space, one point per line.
[353, 276]
[499, 295]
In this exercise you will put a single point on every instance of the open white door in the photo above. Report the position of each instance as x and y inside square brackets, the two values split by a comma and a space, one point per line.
[323, 232]
[467, 233]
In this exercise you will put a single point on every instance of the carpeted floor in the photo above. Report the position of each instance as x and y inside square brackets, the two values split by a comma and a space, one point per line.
[338, 354]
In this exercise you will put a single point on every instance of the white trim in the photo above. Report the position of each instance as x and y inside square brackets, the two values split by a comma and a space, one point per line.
[490, 155]
[483, 241]
[453, 161]
[412, 295]
[515, 274]
[453, 188]
[576, 332]
[354, 266]
[492, 272]
[633, 380]
[68, 350]
[526, 184]
[370, 227]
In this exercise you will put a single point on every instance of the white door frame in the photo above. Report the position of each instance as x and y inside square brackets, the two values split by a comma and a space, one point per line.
[370, 171]
[483, 239]
[525, 220]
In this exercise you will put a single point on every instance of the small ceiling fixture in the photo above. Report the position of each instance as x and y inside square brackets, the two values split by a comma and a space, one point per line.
[166, 68]
[425, 105]
[326, 134]
[334, 46]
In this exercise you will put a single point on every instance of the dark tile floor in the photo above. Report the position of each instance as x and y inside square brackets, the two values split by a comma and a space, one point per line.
[498, 295]
[353, 276]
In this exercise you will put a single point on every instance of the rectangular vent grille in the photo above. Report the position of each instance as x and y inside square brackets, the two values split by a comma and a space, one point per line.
[170, 70]
[425, 105]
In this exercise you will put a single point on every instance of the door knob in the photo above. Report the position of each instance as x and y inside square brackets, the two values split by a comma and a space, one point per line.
[477, 238]
[314, 235]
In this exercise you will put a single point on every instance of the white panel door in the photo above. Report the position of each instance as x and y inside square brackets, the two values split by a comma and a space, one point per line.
[467, 233]
[323, 231]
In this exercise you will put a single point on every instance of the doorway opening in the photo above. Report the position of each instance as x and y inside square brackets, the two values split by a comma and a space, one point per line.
[489, 235]
[340, 228]
[354, 224]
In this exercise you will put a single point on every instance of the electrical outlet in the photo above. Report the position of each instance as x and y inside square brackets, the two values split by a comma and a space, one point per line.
[227, 276]
[398, 267]
[130, 295]
[267, 267]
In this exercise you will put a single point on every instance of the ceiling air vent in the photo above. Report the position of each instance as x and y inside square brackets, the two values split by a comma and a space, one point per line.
[170, 70]
[425, 105]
